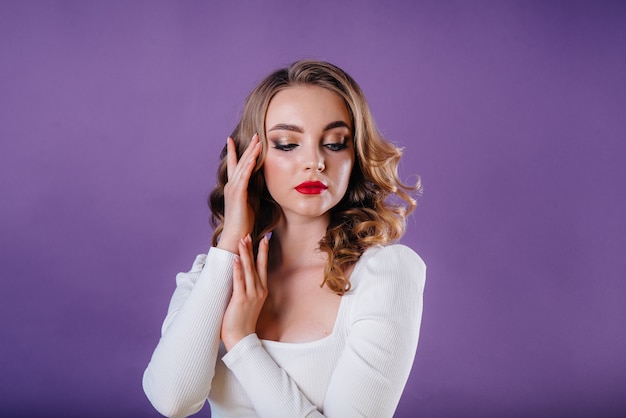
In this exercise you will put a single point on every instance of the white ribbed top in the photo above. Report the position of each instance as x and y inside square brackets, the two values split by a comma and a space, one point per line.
[360, 369]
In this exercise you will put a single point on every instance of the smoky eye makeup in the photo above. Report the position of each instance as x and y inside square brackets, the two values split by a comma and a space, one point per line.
[334, 142]
[285, 147]
[336, 146]
[283, 144]
[337, 143]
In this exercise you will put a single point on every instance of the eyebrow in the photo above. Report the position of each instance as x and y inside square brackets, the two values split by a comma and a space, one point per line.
[336, 124]
[287, 127]
[299, 129]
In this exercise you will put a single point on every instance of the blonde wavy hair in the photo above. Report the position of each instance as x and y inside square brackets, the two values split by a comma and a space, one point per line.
[376, 204]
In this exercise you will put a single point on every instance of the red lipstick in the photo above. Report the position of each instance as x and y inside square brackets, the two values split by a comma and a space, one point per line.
[311, 187]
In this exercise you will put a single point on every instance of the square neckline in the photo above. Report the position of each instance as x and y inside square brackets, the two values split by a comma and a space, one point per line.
[340, 312]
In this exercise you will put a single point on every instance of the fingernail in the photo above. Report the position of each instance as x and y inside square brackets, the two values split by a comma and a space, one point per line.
[268, 236]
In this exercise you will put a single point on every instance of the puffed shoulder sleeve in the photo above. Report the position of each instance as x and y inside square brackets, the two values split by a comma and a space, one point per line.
[384, 323]
[178, 378]
[184, 285]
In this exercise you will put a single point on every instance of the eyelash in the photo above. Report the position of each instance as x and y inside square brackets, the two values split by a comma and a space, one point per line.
[338, 146]
[335, 147]
[285, 147]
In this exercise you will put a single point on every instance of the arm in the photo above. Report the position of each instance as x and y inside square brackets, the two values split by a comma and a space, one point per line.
[375, 364]
[178, 378]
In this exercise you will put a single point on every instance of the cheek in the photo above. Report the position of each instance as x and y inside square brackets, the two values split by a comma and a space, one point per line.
[269, 174]
[344, 172]
[269, 167]
[274, 172]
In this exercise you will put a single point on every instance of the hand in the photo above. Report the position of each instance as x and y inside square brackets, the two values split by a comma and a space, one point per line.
[249, 292]
[238, 214]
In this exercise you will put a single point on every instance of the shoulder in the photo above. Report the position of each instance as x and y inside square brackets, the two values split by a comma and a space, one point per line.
[214, 257]
[393, 268]
[394, 260]
[397, 252]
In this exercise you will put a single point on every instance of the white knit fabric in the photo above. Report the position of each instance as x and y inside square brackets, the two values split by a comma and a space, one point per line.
[360, 369]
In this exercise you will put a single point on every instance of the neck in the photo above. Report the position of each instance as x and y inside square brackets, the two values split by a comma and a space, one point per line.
[296, 243]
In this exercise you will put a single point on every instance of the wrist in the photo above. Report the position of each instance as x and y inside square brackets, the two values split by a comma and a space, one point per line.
[229, 246]
[230, 242]
[231, 341]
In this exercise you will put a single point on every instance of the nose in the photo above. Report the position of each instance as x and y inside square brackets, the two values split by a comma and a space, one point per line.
[314, 160]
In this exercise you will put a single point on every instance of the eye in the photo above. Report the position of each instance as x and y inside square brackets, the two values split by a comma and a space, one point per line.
[285, 147]
[337, 146]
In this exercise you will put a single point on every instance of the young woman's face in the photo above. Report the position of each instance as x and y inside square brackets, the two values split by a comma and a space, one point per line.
[310, 150]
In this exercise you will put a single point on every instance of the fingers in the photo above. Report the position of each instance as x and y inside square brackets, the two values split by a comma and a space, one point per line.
[238, 280]
[242, 167]
[254, 276]
[231, 157]
[247, 263]
[248, 296]
[261, 261]
[238, 213]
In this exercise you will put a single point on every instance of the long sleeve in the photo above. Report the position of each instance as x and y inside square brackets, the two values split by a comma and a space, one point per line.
[375, 365]
[372, 370]
[178, 378]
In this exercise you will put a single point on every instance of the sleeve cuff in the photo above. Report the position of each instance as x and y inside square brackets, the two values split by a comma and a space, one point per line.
[242, 349]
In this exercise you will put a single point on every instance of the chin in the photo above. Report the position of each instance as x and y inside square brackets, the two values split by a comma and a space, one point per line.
[309, 212]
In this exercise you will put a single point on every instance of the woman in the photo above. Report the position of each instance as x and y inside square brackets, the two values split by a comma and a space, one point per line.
[324, 321]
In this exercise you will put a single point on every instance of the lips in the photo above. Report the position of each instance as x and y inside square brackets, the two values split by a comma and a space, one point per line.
[311, 187]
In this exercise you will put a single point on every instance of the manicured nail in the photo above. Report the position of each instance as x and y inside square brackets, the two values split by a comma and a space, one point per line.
[268, 236]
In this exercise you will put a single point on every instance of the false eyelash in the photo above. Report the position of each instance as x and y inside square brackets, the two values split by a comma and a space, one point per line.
[338, 146]
[285, 147]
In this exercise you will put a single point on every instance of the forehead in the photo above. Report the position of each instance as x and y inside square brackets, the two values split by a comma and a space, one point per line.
[306, 105]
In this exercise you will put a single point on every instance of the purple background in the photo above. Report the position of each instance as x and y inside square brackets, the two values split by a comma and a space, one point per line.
[113, 113]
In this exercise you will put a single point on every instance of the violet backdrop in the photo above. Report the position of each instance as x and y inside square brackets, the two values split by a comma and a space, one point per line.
[112, 115]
